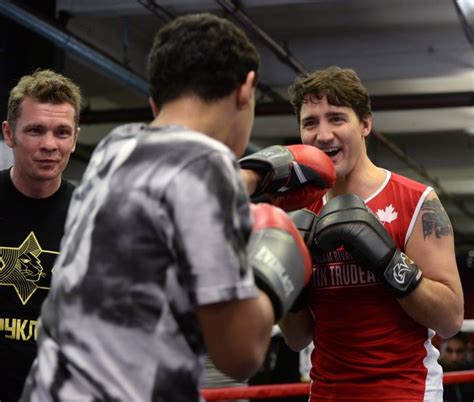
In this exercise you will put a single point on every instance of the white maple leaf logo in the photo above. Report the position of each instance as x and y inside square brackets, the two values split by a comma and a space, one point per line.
[388, 215]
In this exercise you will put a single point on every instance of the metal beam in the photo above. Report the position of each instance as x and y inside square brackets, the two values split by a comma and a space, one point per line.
[283, 54]
[389, 103]
[466, 26]
[379, 103]
[73, 45]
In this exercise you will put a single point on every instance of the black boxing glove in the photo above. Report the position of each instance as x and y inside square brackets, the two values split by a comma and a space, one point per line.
[279, 257]
[305, 222]
[346, 220]
[292, 177]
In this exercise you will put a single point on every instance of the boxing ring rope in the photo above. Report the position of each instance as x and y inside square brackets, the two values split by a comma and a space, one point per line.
[468, 326]
[302, 389]
[299, 389]
[255, 392]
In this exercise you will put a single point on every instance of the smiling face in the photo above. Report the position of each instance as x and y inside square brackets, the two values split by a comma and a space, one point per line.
[42, 141]
[337, 131]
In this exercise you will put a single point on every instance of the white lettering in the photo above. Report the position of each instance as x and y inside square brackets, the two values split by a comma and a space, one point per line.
[335, 275]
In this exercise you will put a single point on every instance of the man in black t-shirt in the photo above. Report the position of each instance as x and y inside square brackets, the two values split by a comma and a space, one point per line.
[41, 129]
[455, 357]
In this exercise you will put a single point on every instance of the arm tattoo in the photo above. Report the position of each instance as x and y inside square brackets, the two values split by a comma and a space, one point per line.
[435, 220]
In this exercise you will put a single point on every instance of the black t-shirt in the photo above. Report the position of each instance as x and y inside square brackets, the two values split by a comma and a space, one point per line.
[30, 234]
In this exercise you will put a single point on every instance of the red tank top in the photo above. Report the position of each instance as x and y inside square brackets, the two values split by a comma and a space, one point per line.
[366, 347]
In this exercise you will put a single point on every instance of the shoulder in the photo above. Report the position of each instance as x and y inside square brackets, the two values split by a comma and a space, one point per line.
[405, 182]
[6, 185]
[67, 187]
[178, 142]
[198, 141]
[118, 136]
[407, 192]
[177, 158]
[192, 148]
[128, 129]
[62, 197]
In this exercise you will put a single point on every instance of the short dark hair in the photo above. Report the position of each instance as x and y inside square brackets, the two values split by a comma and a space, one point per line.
[341, 86]
[461, 336]
[199, 54]
[44, 86]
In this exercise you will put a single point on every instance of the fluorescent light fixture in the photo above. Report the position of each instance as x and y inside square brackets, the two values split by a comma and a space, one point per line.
[467, 7]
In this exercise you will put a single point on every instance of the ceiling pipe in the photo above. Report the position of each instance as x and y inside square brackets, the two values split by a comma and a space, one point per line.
[73, 45]
[162, 13]
[283, 54]
[166, 16]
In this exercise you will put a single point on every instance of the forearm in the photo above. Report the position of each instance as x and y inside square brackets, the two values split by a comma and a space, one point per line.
[297, 329]
[237, 334]
[435, 305]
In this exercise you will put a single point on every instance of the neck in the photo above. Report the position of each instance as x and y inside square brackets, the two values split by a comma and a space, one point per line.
[34, 188]
[363, 181]
[211, 119]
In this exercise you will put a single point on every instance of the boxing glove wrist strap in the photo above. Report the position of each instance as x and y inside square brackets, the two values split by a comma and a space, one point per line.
[402, 275]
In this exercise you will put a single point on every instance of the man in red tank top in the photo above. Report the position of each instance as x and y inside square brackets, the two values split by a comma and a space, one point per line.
[372, 338]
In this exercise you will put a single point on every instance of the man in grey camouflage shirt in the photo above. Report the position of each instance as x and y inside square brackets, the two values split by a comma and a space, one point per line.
[154, 270]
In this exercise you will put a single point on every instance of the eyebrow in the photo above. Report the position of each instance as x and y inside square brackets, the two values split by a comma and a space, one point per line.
[65, 126]
[328, 114]
[305, 119]
[33, 125]
[39, 125]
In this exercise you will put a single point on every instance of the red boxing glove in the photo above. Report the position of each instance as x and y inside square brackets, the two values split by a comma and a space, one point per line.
[279, 257]
[292, 177]
[295, 199]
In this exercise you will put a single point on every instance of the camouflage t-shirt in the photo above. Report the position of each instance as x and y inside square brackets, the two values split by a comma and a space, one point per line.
[158, 226]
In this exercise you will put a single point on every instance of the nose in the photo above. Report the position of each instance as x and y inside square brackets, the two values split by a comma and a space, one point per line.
[48, 142]
[324, 134]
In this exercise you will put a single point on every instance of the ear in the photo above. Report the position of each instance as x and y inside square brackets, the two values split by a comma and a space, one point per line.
[154, 109]
[366, 125]
[245, 91]
[8, 134]
[76, 135]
